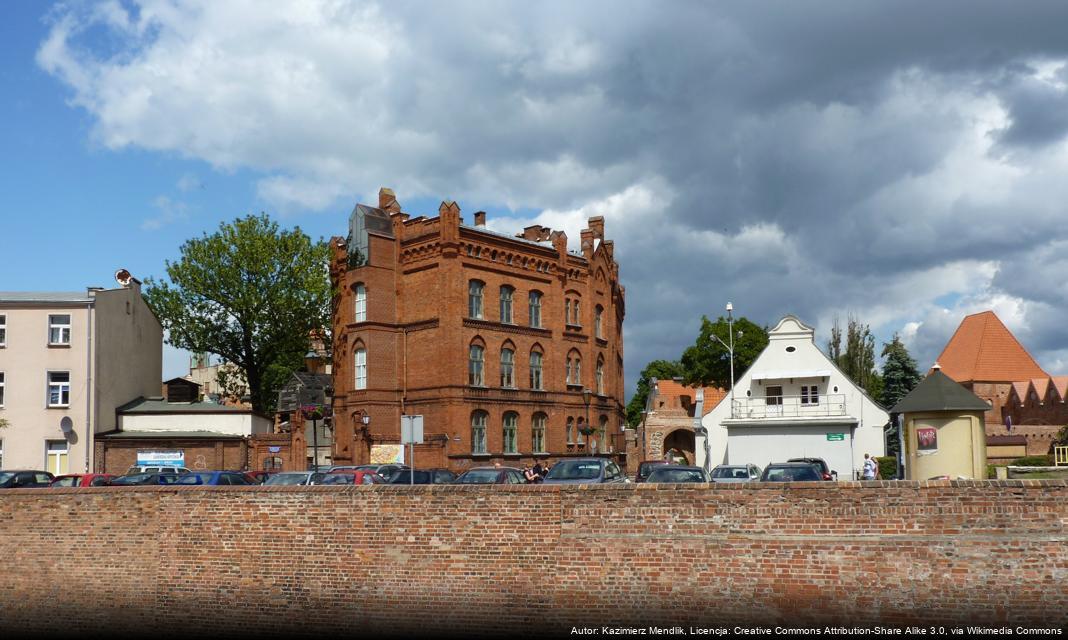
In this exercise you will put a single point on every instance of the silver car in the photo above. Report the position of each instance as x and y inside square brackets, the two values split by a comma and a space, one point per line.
[585, 471]
[736, 473]
[293, 478]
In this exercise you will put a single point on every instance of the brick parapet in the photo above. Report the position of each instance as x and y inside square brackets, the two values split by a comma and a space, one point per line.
[396, 559]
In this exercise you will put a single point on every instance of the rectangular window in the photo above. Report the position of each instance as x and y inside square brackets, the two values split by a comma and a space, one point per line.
[535, 309]
[361, 303]
[810, 395]
[57, 457]
[535, 370]
[1, 388]
[1, 454]
[597, 323]
[59, 329]
[474, 367]
[538, 434]
[506, 305]
[575, 310]
[59, 388]
[478, 433]
[3, 331]
[474, 299]
[773, 396]
[507, 369]
[361, 368]
[509, 433]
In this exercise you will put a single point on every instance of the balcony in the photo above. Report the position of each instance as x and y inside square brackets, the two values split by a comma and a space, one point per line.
[788, 407]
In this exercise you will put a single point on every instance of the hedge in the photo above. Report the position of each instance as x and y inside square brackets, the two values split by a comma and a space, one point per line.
[1033, 461]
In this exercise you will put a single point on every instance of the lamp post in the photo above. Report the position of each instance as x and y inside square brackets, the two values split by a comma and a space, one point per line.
[365, 419]
[729, 348]
[587, 429]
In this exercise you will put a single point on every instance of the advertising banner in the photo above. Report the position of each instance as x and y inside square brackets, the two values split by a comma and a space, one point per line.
[161, 458]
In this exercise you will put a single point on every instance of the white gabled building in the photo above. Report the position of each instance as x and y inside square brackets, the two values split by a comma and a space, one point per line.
[794, 403]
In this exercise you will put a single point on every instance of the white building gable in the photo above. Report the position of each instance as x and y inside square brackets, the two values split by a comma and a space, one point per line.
[794, 403]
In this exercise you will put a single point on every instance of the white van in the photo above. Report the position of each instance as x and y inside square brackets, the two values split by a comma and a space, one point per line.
[133, 470]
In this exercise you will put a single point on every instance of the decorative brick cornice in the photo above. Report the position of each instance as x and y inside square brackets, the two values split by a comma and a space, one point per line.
[507, 328]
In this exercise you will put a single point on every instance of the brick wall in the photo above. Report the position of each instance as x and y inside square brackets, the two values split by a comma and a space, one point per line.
[390, 560]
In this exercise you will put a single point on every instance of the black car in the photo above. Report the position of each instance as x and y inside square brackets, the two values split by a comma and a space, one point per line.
[137, 479]
[791, 472]
[585, 471]
[25, 479]
[491, 475]
[422, 476]
[677, 473]
[821, 465]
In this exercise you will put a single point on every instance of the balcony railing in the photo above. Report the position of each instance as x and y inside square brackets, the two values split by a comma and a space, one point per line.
[788, 407]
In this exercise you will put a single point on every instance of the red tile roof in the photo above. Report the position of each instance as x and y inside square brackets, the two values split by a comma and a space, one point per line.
[1060, 385]
[670, 389]
[984, 350]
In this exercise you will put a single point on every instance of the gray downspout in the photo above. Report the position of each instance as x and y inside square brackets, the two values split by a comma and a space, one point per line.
[88, 386]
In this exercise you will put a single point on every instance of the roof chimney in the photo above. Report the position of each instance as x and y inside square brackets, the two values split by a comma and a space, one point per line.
[480, 218]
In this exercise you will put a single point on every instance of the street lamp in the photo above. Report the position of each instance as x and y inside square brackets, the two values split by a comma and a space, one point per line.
[587, 429]
[730, 348]
[365, 419]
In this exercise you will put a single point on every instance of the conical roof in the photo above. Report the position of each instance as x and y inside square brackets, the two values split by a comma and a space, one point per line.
[983, 349]
[938, 393]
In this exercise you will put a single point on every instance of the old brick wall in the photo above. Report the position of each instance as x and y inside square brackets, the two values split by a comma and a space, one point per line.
[390, 560]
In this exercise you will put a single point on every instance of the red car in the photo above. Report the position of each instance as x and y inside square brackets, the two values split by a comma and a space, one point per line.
[257, 477]
[359, 476]
[83, 480]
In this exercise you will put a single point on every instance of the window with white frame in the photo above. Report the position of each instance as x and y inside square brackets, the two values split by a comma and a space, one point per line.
[58, 388]
[506, 304]
[507, 368]
[597, 313]
[474, 299]
[535, 308]
[576, 370]
[535, 370]
[567, 310]
[3, 331]
[1, 388]
[474, 366]
[1, 454]
[511, 422]
[361, 303]
[576, 319]
[537, 433]
[571, 431]
[59, 329]
[361, 369]
[600, 377]
[478, 431]
[810, 394]
[773, 396]
[57, 455]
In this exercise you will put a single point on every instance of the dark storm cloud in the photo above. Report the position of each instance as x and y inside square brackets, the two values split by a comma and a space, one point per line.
[808, 158]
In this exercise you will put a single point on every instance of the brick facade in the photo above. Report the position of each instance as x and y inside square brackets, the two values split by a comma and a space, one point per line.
[418, 331]
[115, 455]
[668, 423]
[386, 561]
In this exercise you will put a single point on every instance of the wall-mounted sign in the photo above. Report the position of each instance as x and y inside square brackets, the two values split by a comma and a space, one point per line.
[836, 437]
[161, 458]
[926, 439]
[274, 449]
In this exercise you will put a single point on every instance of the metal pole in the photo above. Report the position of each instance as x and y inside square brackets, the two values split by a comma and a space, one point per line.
[315, 445]
[730, 329]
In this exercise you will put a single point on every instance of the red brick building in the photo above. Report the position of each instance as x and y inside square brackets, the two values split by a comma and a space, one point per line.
[508, 346]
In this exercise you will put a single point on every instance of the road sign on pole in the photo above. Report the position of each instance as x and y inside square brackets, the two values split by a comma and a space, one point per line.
[411, 434]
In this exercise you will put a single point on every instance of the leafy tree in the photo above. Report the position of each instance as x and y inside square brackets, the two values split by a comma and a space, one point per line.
[858, 359]
[1060, 440]
[251, 293]
[659, 369]
[900, 376]
[708, 362]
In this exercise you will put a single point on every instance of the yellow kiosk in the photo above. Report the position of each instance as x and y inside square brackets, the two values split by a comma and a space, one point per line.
[945, 433]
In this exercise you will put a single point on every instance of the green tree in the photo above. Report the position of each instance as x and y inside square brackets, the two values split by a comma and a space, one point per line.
[1060, 440]
[708, 362]
[659, 369]
[900, 376]
[250, 293]
[858, 359]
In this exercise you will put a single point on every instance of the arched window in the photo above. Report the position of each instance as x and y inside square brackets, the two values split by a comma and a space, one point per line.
[535, 308]
[506, 304]
[474, 299]
[478, 431]
[361, 368]
[511, 421]
[597, 313]
[507, 368]
[571, 430]
[600, 377]
[537, 433]
[474, 366]
[361, 303]
[581, 437]
[535, 370]
[602, 431]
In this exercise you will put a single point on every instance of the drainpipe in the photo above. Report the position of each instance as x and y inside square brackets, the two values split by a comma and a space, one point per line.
[88, 385]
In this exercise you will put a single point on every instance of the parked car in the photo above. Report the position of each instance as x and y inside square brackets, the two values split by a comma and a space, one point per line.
[155, 469]
[736, 473]
[353, 476]
[791, 472]
[422, 476]
[214, 478]
[821, 465]
[677, 473]
[645, 467]
[24, 479]
[294, 478]
[83, 480]
[257, 477]
[491, 475]
[585, 471]
[134, 479]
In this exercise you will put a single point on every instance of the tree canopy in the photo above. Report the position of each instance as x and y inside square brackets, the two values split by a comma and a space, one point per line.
[858, 359]
[900, 376]
[251, 293]
[708, 362]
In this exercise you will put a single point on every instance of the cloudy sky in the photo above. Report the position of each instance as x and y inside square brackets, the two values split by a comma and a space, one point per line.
[905, 162]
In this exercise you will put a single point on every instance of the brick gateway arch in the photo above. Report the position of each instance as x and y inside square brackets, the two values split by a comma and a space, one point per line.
[680, 442]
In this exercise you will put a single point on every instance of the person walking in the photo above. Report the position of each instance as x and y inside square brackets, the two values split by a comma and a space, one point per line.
[870, 468]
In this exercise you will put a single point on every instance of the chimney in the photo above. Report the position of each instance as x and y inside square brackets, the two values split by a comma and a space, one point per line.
[387, 200]
[596, 225]
[480, 218]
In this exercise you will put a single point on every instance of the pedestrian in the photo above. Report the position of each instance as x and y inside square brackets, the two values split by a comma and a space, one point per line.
[538, 470]
[870, 468]
[529, 474]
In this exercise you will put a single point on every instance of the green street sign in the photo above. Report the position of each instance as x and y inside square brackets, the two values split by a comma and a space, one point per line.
[835, 437]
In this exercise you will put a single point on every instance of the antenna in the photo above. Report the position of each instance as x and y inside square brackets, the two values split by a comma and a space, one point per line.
[123, 277]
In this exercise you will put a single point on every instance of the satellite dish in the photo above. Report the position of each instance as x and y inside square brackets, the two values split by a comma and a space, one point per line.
[123, 277]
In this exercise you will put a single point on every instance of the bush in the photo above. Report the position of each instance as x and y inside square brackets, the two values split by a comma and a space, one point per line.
[887, 467]
[991, 472]
[1033, 461]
